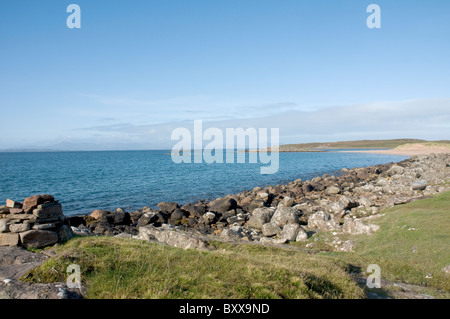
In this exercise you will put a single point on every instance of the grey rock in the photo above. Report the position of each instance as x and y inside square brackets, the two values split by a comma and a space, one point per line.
[366, 202]
[13, 204]
[270, 229]
[302, 234]
[260, 216]
[222, 205]
[332, 190]
[49, 212]
[9, 239]
[395, 170]
[17, 228]
[44, 226]
[168, 207]
[4, 225]
[289, 232]
[172, 238]
[209, 218]
[355, 226]
[323, 221]
[254, 204]
[38, 238]
[147, 219]
[233, 233]
[419, 186]
[65, 233]
[286, 202]
[285, 215]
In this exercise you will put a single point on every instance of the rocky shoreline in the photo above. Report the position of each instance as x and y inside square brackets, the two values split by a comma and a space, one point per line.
[282, 213]
[271, 215]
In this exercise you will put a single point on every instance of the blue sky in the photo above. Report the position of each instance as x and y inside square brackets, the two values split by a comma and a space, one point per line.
[138, 69]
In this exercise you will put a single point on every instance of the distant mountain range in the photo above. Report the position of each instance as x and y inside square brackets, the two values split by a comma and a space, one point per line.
[362, 144]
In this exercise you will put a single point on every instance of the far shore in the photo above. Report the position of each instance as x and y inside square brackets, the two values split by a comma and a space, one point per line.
[408, 150]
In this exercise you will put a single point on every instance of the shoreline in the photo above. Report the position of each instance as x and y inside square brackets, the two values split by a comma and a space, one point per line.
[299, 212]
[357, 193]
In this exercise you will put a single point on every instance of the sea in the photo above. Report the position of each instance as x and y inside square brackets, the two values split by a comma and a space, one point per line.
[85, 181]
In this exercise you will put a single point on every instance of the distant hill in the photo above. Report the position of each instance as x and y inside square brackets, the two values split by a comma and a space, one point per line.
[362, 144]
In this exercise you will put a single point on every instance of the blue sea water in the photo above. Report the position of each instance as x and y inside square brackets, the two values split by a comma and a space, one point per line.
[85, 181]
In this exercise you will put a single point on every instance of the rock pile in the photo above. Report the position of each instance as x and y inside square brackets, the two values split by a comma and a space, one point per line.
[37, 222]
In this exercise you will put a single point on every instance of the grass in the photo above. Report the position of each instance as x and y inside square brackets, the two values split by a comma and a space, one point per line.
[127, 268]
[438, 143]
[412, 244]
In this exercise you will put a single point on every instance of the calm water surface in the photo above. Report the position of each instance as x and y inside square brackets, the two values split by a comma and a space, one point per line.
[84, 181]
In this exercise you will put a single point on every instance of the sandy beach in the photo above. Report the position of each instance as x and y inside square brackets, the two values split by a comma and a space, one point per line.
[409, 150]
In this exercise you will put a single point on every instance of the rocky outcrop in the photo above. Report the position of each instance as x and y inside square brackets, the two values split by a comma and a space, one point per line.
[16, 262]
[173, 238]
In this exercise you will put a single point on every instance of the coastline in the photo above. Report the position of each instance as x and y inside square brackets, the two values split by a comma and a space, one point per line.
[357, 192]
[289, 217]
[408, 150]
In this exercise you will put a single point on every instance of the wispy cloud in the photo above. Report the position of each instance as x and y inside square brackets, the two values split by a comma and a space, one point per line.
[422, 118]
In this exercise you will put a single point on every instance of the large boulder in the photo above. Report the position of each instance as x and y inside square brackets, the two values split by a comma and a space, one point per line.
[233, 233]
[419, 186]
[395, 170]
[177, 215]
[255, 204]
[4, 225]
[209, 218]
[270, 229]
[13, 204]
[172, 238]
[302, 234]
[65, 233]
[289, 232]
[323, 221]
[286, 202]
[98, 213]
[121, 218]
[332, 190]
[260, 216]
[348, 202]
[32, 202]
[222, 205]
[18, 228]
[195, 210]
[146, 219]
[285, 215]
[9, 239]
[168, 208]
[49, 212]
[356, 227]
[38, 238]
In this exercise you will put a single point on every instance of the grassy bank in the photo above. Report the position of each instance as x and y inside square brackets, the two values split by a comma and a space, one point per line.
[125, 268]
[411, 247]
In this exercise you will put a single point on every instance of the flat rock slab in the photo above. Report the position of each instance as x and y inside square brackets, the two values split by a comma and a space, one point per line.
[173, 238]
[16, 289]
[16, 262]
